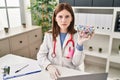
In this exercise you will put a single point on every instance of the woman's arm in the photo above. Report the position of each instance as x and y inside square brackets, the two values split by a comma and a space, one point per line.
[78, 58]
[43, 52]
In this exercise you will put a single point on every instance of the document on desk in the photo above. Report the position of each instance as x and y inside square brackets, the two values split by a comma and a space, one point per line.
[22, 69]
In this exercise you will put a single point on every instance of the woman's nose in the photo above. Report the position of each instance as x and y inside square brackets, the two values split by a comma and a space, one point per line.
[63, 19]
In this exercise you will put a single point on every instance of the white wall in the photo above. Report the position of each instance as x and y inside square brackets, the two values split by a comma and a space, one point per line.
[27, 12]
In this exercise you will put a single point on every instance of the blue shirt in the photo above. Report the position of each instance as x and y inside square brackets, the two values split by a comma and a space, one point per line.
[62, 37]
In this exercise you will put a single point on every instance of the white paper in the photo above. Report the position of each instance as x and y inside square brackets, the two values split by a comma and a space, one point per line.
[30, 69]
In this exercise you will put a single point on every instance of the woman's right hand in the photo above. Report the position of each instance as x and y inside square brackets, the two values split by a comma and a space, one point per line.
[82, 37]
[54, 73]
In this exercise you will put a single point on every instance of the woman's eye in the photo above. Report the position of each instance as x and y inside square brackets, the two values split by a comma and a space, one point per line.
[60, 16]
[66, 16]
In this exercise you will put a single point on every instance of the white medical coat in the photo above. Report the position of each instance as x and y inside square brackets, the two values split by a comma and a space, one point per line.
[44, 57]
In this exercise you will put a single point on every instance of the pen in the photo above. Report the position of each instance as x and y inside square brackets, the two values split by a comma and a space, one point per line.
[21, 68]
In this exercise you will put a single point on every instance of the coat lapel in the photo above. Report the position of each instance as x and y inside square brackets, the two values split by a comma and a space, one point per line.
[58, 44]
[66, 39]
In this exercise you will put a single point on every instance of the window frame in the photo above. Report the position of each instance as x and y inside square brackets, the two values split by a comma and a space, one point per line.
[22, 11]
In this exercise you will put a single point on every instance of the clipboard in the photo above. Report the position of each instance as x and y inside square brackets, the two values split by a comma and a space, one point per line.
[32, 68]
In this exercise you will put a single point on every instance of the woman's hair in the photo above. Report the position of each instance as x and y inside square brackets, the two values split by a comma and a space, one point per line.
[55, 28]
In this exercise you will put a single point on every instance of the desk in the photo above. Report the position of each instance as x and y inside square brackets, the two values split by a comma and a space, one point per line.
[11, 59]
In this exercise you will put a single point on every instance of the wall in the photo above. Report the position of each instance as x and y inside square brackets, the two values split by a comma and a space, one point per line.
[27, 12]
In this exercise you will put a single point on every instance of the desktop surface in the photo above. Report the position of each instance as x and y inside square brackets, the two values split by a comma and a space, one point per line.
[97, 76]
[12, 60]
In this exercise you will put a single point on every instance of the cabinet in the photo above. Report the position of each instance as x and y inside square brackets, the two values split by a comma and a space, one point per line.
[71, 2]
[117, 23]
[103, 57]
[34, 47]
[21, 41]
[103, 3]
[35, 39]
[97, 3]
[116, 3]
[4, 47]
[19, 44]
[83, 2]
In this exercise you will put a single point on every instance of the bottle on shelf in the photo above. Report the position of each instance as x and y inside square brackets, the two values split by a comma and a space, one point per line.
[119, 50]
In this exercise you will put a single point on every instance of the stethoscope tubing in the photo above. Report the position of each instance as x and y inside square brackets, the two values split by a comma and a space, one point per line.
[54, 45]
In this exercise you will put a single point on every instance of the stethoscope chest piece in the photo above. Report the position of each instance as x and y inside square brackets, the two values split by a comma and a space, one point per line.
[53, 55]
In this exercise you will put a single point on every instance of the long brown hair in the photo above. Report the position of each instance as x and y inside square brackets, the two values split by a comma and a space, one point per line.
[55, 28]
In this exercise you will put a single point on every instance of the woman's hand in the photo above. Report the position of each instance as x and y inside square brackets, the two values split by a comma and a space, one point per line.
[54, 73]
[83, 36]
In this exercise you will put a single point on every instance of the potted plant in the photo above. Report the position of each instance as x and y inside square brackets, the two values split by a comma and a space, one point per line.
[90, 48]
[100, 50]
[42, 11]
[24, 25]
[6, 29]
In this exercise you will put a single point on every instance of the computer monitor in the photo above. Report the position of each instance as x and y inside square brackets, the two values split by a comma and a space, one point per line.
[95, 76]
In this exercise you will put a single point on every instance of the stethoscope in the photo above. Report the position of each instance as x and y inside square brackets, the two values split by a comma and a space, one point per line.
[71, 50]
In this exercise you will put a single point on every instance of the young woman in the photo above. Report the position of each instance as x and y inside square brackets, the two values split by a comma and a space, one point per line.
[62, 45]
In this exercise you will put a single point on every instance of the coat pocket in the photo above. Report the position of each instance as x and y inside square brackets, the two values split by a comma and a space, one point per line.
[67, 62]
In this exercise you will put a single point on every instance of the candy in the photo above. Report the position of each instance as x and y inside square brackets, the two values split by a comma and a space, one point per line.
[89, 30]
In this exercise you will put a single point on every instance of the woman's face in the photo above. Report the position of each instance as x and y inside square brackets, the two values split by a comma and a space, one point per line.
[63, 19]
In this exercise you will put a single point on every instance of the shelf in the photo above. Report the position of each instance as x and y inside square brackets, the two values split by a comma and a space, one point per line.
[105, 38]
[96, 54]
[99, 41]
[93, 67]
[16, 31]
[115, 58]
[114, 71]
[102, 33]
[93, 8]
[116, 35]
[98, 10]
[115, 48]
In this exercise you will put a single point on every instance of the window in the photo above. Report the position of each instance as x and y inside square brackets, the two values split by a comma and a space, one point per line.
[10, 13]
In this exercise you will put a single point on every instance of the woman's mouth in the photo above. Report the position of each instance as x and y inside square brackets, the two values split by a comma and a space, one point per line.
[64, 24]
